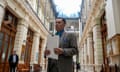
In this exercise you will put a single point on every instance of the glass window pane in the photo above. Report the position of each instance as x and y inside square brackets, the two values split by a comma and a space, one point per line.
[4, 52]
[10, 17]
[6, 38]
[5, 48]
[1, 39]
[10, 48]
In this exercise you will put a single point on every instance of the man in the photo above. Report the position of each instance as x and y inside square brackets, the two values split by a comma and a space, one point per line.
[13, 61]
[67, 48]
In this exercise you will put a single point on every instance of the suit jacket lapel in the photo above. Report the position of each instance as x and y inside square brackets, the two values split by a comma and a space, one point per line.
[61, 39]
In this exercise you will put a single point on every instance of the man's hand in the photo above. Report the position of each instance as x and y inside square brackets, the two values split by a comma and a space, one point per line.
[58, 51]
[47, 52]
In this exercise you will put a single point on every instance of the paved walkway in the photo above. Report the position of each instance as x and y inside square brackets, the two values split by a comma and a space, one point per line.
[74, 71]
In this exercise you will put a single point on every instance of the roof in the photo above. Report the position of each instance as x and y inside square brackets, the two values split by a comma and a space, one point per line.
[66, 8]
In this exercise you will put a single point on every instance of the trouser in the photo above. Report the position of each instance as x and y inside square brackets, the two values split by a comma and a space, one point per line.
[12, 69]
[52, 66]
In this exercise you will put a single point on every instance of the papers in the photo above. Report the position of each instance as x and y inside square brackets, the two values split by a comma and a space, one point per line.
[52, 42]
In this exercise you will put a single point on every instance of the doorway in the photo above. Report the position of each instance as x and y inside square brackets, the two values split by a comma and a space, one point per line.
[7, 38]
[104, 42]
[28, 48]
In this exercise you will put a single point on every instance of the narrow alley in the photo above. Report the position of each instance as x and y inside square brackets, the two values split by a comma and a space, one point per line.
[84, 35]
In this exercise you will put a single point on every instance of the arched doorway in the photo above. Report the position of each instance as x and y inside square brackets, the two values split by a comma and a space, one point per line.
[7, 37]
[28, 48]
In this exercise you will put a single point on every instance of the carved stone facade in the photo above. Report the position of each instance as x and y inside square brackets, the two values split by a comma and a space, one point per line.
[27, 19]
[99, 25]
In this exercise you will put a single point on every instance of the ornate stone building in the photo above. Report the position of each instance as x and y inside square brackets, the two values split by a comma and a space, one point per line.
[24, 26]
[100, 35]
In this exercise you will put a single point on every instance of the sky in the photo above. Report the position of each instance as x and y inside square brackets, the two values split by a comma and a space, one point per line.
[68, 8]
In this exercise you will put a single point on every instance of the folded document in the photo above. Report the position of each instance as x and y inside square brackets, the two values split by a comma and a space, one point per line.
[52, 42]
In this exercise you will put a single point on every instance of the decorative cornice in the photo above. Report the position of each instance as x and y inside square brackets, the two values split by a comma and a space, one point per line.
[33, 16]
[36, 34]
[23, 22]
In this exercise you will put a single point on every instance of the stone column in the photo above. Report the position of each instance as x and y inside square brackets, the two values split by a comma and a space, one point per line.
[2, 10]
[35, 48]
[85, 52]
[82, 58]
[98, 50]
[42, 53]
[20, 39]
[85, 55]
[80, 55]
[90, 49]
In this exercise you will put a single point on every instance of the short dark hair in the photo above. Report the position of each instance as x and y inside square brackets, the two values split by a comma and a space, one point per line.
[63, 19]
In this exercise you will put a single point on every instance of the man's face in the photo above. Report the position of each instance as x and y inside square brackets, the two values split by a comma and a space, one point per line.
[59, 24]
[14, 52]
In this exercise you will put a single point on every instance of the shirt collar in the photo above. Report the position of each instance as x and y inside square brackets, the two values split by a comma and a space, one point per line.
[59, 33]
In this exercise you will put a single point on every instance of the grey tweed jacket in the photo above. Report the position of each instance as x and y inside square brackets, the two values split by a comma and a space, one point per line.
[68, 42]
